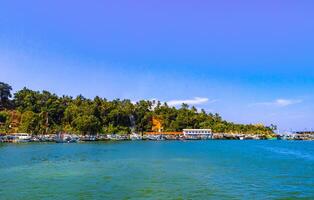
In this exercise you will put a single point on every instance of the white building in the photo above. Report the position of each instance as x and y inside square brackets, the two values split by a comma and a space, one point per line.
[197, 132]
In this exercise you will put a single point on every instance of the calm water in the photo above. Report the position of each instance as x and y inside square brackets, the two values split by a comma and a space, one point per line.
[158, 170]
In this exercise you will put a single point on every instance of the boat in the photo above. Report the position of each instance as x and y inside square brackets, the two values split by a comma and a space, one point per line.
[20, 137]
[135, 136]
[66, 138]
[34, 139]
[155, 137]
[89, 138]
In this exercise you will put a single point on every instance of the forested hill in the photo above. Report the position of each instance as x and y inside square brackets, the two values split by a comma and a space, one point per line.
[43, 112]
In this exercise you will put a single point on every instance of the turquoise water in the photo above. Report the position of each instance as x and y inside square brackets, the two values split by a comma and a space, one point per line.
[158, 170]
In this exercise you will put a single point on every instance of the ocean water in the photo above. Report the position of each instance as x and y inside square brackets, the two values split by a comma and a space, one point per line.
[158, 170]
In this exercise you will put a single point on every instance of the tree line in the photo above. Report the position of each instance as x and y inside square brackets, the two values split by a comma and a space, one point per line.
[43, 112]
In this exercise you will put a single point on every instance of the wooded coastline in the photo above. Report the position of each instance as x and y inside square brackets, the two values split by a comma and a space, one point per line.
[42, 112]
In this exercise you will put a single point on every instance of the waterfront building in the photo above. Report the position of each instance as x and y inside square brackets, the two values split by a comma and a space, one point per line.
[197, 133]
[304, 135]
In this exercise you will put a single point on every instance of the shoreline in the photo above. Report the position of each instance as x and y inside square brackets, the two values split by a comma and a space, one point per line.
[74, 138]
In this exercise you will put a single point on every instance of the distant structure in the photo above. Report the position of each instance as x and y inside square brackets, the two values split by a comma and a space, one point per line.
[297, 135]
[157, 129]
[305, 132]
[157, 124]
[164, 133]
[197, 132]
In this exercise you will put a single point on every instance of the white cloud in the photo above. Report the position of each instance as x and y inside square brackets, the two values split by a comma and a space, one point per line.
[287, 102]
[178, 102]
[279, 102]
[194, 101]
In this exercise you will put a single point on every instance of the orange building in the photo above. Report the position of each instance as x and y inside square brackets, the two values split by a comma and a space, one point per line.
[157, 128]
[157, 124]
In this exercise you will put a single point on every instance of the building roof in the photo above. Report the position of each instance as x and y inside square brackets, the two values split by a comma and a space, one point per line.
[163, 133]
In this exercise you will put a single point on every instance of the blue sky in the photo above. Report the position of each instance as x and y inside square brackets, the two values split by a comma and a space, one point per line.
[250, 61]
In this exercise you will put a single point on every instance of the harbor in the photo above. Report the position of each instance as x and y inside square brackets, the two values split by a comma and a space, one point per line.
[186, 134]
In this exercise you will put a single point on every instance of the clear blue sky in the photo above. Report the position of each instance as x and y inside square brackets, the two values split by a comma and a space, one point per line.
[250, 61]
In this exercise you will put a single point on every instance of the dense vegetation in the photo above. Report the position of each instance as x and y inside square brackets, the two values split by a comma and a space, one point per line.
[42, 112]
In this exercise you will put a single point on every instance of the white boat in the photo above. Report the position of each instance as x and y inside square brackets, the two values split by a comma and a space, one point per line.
[89, 138]
[154, 137]
[135, 136]
[66, 138]
[21, 137]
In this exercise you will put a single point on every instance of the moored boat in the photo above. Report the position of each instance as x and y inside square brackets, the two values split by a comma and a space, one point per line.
[20, 137]
[66, 138]
[135, 136]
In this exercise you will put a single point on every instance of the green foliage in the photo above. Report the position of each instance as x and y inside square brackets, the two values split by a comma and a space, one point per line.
[30, 123]
[3, 117]
[5, 95]
[87, 124]
[4, 121]
[45, 112]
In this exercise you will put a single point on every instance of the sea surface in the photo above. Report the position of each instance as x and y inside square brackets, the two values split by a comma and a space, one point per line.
[158, 170]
